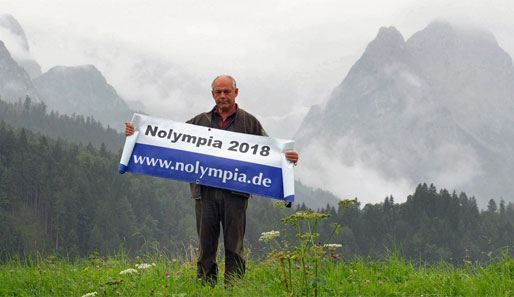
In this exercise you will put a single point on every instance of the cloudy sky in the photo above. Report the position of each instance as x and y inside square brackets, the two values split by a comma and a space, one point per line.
[286, 54]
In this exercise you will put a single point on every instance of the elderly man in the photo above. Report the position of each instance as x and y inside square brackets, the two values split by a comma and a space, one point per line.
[214, 205]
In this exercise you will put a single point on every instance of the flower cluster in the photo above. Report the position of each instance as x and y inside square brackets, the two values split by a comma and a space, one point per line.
[128, 271]
[267, 236]
[304, 215]
[332, 245]
[279, 204]
[347, 202]
[90, 294]
[144, 266]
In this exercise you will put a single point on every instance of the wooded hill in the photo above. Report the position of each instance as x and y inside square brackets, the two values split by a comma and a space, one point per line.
[75, 128]
[66, 197]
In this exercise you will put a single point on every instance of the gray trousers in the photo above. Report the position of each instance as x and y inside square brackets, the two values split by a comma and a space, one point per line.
[228, 208]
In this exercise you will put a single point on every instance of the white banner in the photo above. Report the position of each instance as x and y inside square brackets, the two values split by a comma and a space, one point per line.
[211, 157]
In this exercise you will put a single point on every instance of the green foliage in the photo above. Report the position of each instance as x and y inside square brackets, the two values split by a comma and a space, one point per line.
[158, 275]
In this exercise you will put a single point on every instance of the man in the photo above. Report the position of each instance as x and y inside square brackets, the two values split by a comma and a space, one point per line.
[214, 205]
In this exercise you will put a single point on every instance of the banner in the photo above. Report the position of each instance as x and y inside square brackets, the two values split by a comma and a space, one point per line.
[210, 157]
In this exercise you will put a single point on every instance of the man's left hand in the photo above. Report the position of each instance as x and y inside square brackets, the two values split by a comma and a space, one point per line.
[292, 157]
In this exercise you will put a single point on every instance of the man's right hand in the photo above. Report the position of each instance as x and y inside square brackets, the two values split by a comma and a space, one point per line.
[129, 129]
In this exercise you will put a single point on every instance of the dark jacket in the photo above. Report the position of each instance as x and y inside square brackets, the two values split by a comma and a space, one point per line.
[244, 122]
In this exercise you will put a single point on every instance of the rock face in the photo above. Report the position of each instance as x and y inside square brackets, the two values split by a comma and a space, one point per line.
[12, 31]
[83, 90]
[15, 82]
[437, 108]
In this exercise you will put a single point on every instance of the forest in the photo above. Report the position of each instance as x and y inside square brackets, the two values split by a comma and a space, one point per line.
[60, 193]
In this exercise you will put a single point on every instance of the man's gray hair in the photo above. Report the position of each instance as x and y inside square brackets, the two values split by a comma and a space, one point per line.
[234, 85]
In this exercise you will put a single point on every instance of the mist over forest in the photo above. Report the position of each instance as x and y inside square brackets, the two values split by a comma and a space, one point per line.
[420, 131]
[61, 196]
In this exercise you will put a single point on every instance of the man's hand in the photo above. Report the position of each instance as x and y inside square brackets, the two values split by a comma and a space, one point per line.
[129, 129]
[292, 157]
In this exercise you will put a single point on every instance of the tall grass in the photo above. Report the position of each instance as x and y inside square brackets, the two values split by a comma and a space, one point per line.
[296, 266]
[391, 276]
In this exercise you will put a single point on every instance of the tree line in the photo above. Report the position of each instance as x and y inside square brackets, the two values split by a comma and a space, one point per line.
[66, 198]
[34, 116]
[431, 225]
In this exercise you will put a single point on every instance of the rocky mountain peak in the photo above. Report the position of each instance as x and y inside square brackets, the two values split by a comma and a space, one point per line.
[446, 42]
[445, 30]
[385, 56]
[9, 23]
[82, 74]
[80, 90]
[436, 108]
[15, 83]
[3, 51]
[389, 42]
[83, 90]
[447, 56]
[388, 36]
[15, 39]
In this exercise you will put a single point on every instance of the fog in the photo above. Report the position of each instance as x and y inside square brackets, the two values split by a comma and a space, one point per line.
[347, 175]
[286, 55]
[14, 44]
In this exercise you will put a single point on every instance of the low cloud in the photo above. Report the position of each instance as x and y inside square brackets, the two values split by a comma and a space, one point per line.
[454, 166]
[350, 168]
[15, 44]
[347, 176]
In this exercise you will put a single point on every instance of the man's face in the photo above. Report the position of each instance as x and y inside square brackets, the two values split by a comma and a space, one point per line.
[224, 95]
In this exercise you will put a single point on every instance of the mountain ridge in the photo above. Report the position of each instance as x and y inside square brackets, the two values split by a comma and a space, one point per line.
[18, 39]
[437, 107]
[81, 90]
[86, 92]
[15, 82]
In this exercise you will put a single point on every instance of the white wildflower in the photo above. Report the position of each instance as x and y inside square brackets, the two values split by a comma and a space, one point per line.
[333, 245]
[90, 294]
[303, 214]
[128, 271]
[144, 266]
[267, 236]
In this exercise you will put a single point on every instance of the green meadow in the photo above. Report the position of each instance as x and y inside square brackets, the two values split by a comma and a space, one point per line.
[164, 276]
[297, 264]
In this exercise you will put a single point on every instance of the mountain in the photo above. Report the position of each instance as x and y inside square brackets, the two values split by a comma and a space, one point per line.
[15, 82]
[79, 90]
[83, 90]
[12, 33]
[438, 108]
